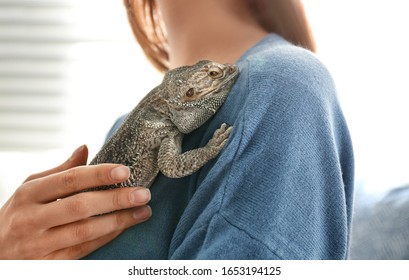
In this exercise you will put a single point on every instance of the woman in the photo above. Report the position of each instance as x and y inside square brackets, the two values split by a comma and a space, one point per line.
[282, 186]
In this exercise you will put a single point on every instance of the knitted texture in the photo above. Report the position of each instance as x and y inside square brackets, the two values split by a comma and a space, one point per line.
[380, 227]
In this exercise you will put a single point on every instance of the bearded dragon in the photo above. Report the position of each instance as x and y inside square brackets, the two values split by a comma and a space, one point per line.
[150, 138]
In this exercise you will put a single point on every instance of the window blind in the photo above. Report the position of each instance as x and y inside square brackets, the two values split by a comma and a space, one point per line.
[36, 37]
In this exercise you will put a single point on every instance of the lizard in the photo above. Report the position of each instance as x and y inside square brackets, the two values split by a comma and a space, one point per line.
[149, 140]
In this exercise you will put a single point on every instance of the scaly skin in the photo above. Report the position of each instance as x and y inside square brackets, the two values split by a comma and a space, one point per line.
[150, 138]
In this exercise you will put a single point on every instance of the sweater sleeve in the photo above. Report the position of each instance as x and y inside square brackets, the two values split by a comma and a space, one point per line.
[286, 176]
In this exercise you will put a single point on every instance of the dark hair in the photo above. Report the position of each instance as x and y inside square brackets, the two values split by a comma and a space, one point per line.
[284, 17]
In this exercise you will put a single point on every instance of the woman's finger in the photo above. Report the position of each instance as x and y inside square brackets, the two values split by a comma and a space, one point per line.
[84, 205]
[82, 250]
[74, 180]
[93, 228]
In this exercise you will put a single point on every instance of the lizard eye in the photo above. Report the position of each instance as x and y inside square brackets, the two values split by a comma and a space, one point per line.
[190, 92]
[215, 72]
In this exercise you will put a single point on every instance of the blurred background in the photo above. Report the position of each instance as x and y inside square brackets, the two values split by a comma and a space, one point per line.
[70, 68]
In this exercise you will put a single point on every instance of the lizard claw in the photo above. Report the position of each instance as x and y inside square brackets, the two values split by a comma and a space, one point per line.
[219, 138]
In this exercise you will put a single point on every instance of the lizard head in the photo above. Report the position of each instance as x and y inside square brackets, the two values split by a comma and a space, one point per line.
[194, 93]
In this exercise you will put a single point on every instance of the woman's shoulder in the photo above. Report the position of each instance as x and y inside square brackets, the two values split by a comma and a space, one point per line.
[277, 70]
[274, 56]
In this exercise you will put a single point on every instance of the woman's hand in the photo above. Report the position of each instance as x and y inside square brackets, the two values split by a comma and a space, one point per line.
[46, 218]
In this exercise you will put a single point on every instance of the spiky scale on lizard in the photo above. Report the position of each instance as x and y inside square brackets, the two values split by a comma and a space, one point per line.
[150, 138]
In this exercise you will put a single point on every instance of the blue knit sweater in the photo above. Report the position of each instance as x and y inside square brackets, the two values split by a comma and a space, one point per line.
[281, 188]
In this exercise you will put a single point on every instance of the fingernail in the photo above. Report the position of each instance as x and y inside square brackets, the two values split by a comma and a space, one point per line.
[120, 173]
[142, 213]
[140, 195]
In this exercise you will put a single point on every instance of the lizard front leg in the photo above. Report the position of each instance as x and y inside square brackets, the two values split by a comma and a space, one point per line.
[172, 163]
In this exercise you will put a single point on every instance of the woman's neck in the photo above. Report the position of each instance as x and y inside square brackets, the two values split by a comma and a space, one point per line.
[219, 30]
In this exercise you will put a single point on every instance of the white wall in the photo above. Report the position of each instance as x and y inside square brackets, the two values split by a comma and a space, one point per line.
[365, 45]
